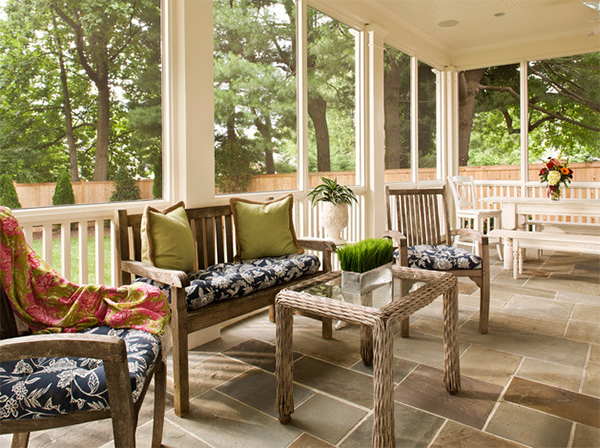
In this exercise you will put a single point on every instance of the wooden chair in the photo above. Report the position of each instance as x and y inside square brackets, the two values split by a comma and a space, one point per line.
[470, 215]
[112, 351]
[418, 217]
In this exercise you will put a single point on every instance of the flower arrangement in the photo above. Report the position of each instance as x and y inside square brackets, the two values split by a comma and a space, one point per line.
[556, 171]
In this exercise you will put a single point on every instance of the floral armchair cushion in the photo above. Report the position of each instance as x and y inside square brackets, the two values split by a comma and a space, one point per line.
[43, 387]
[441, 258]
[230, 280]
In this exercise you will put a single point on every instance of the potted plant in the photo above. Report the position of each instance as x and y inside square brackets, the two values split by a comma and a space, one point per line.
[365, 265]
[335, 199]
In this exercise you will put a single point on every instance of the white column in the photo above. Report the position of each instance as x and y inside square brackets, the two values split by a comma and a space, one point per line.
[414, 119]
[302, 115]
[189, 83]
[375, 210]
[524, 128]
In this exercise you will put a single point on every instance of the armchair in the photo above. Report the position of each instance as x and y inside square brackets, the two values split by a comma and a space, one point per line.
[418, 221]
[92, 371]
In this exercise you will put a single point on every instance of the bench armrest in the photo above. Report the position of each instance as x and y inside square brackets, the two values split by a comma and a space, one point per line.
[169, 277]
[327, 247]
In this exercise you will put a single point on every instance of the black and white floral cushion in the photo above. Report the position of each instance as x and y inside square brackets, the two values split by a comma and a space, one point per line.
[230, 280]
[441, 258]
[43, 387]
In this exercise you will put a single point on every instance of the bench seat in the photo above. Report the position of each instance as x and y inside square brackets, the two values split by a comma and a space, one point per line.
[230, 280]
[558, 241]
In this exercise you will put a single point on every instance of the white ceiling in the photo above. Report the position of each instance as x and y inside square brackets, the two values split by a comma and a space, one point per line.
[488, 32]
[491, 22]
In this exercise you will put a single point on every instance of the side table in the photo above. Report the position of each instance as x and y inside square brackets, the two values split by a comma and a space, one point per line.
[377, 337]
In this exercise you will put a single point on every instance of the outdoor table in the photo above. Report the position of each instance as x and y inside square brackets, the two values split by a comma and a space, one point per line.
[377, 334]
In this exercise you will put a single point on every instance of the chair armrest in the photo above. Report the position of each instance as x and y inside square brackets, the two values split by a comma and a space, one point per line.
[475, 234]
[179, 279]
[107, 348]
[402, 244]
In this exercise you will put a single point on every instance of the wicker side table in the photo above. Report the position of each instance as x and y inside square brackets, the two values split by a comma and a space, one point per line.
[376, 339]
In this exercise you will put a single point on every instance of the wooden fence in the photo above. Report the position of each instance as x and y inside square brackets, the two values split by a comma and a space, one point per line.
[40, 195]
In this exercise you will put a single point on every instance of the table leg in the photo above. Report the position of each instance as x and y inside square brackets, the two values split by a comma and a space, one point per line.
[451, 348]
[366, 335]
[284, 398]
[383, 387]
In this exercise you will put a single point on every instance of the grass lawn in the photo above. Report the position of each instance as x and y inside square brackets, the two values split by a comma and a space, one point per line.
[91, 247]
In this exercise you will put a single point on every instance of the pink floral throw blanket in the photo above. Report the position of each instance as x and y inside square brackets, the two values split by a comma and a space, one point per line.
[47, 302]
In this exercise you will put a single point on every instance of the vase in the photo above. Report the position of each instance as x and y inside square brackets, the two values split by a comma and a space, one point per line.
[334, 219]
[554, 194]
[356, 287]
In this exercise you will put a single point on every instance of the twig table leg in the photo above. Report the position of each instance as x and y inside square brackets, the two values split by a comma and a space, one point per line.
[451, 348]
[383, 386]
[283, 363]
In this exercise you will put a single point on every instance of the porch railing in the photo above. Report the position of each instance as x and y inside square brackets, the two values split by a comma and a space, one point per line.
[79, 241]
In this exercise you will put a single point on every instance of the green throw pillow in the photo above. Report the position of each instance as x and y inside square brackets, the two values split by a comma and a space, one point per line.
[167, 240]
[264, 229]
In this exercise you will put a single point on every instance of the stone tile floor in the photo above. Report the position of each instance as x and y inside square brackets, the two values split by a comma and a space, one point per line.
[534, 380]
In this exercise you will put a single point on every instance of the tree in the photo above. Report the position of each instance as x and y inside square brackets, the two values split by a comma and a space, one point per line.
[564, 103]
[8, 192]
[125, 187]
[63, 191]
[78, 69]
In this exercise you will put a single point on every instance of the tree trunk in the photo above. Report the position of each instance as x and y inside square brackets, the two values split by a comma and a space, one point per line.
[391, 89]
[67, 110]
[265, 131]
[317, 110]
[468, 87]
[103, 129]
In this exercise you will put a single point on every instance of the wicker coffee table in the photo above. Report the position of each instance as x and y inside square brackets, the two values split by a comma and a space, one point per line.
[377, 334]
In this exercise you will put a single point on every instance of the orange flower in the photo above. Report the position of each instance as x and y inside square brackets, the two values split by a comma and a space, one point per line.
[565, 170]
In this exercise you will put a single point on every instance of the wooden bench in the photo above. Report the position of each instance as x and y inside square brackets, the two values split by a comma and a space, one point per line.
[549, 238]
[214, 236]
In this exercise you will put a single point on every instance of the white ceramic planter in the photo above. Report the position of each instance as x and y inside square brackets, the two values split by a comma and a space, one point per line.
[334, 219]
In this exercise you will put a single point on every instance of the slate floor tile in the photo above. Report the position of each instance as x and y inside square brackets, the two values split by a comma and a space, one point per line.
[257, 388]
[455, 435]
[553, 400]
[529, 427]
[424, 389]
[585, 436]
[413, 428]
[335, 380]
[258, 353]
[222, 421]
[326, 418]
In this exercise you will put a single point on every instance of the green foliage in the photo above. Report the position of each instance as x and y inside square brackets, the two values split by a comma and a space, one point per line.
[365, 255]
[8, 192]
[122, 44]
[233, 167]
[125, 187]
[332, 191]
[63, 191]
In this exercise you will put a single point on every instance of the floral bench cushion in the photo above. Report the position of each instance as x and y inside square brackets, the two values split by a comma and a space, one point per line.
[230, 280]
[44, 387]
[441, 258]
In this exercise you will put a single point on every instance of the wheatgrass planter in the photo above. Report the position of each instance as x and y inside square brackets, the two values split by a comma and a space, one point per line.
[357, 287]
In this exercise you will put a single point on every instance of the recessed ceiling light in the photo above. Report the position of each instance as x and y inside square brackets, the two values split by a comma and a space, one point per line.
[448, 23]
[499, 14]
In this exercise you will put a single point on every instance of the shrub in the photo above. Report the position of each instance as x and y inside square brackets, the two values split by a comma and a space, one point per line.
[63, 192]
[125, 187]
[365, 255]
[8, 192]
